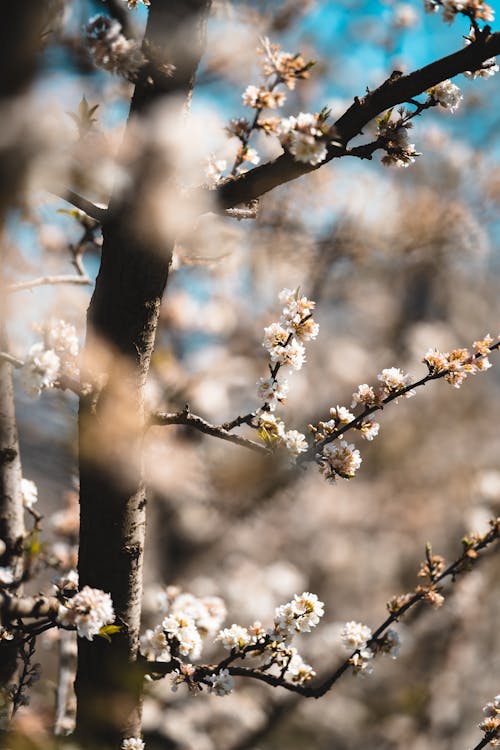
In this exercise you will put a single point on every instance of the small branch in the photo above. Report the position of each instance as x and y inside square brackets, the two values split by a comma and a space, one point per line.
[14, 361]
[65, 697]
[78, 201]
[12, 607]
[49, 280]
[491, 735]
[238, 421]
[357, 421]
[192, 420]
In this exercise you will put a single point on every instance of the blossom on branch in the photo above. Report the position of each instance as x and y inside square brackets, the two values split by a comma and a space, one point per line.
[446, 94]
[342, 460]
[304, 137]
[297, 616]
[29, 492]
[88, 611]
[111, 50]
[221, 683]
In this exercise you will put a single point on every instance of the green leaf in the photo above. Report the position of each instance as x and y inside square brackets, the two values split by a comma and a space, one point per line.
[108, 630]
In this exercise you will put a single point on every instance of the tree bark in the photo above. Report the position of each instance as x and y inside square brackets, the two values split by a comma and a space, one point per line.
[123, 314]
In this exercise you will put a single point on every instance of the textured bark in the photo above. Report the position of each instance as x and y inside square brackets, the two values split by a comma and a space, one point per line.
[12, 528]
[124, 314]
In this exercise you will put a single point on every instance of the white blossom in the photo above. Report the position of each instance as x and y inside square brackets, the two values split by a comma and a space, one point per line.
[447, 94]
[184, 630]
[272, 391]
[88, 611]
[66, 583]
[303, 137]
[341, 414]
[369, 429]
[307, 148]
[299, 615]
[355, 635]
[154, 645]
[341, 459]
[361, 662]
[61, 337]
[235, 637]
[391, 643]
[6, 576]
[40, 370]
[393, 380]
[221, 683]
[298, 670]
[29, 492]
[295, 442]
[292, 355]
[365, 395]
[251, 156]
[214, 168]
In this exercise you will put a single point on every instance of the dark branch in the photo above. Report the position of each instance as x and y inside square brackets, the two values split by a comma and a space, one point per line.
[192, 420]
[396, 90]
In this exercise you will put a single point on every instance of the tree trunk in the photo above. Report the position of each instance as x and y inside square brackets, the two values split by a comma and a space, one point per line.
[123, 314]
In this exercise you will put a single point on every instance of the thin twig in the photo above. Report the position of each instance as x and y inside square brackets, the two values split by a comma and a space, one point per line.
[14, 361]
[357, 421]
[78, 201]
[192, 420]
[49, 280]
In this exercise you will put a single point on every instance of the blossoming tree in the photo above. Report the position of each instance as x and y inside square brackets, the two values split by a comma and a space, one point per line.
[149, 219]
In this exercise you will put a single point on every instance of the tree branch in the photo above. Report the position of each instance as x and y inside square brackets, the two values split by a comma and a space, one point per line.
[192, 420]
[78, 201]
[395, 90]
[470, 555]
[49, 280]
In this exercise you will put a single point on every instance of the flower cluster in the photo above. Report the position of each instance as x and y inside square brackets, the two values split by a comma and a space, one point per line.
[393, 380]
[489, 66]
[221, 683]
[111, 50]
[260, 97]
[286, 67]
[88, 611]
[236, 637]
[476, 9]
[297, 616]
[446, 94]
[342, 460]
[491, 723]
[305, 137]
[392, 132]
[188, 621]
[51, 358]
[356, 636]
[459, 363]
[284, 342]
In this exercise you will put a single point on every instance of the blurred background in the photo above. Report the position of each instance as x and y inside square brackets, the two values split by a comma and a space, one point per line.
[397, 260]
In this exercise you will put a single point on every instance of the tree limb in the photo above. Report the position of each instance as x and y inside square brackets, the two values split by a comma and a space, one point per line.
[48, 280]
[395, 90]
[192, 420]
